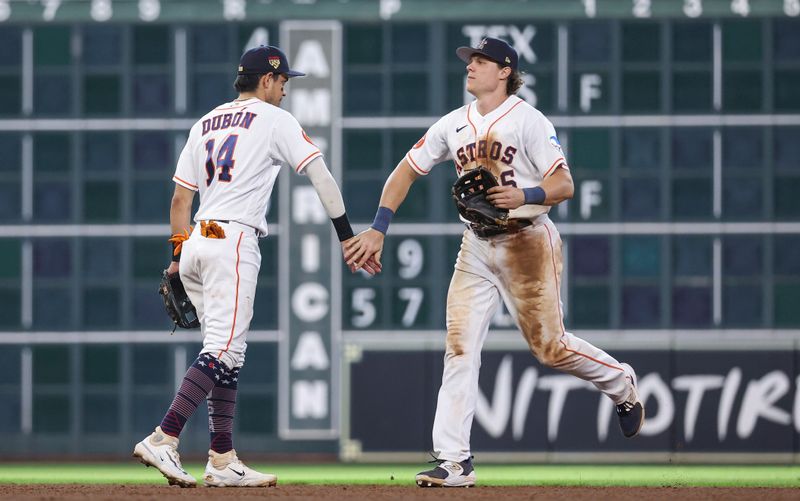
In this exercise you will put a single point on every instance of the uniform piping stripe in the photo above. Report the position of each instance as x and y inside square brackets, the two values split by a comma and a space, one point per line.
[560, 313]
[555, 164]
[415, 166]
[236, 304]
[474, 129]
[186, 183]
[489, 130]
[307, 159]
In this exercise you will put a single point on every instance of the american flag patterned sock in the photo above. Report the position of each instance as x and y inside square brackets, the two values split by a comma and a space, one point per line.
[221, 409]
[197, 384]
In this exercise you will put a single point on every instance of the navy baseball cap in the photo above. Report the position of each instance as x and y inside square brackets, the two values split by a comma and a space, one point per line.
[495, 49]
[266, 59]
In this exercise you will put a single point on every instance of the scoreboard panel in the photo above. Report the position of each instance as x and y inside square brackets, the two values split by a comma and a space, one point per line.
[680, 121]
[150, 11]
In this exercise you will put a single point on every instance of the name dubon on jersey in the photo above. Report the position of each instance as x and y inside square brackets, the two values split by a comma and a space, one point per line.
[233, 156]
[515, 142]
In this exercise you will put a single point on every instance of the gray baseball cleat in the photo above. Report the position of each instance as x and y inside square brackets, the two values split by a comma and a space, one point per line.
[225, 470]
[630, 412]
[161, 451]
[448, 474]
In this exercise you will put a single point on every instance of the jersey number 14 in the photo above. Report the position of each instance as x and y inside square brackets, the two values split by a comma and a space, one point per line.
[225, 159]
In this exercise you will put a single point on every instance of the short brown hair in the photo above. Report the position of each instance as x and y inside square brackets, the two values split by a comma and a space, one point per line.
[246, 83]
[249, 82]
[514, 82]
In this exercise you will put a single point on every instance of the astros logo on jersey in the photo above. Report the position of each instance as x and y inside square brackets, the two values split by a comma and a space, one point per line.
[482, 150]
[420, 142]
[556, 144]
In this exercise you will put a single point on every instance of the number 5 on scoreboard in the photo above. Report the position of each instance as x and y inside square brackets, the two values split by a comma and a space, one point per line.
[225, 159]
[363, 307]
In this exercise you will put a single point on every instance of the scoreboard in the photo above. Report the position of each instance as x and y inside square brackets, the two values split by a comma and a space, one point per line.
[680, 121]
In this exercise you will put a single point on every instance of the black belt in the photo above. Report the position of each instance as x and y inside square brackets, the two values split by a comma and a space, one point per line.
[514, 225]
[228, 221]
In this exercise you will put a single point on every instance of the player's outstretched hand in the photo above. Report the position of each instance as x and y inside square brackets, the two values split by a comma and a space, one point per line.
[371, 266]
[506, 197]
[364, 250]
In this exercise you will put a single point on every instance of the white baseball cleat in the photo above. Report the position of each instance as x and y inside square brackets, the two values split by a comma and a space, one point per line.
[161, 451]
[225, 470]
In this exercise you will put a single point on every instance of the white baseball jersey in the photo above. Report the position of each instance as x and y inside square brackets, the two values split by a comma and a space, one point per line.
[522, 269]
[248, 133]
[516, 142]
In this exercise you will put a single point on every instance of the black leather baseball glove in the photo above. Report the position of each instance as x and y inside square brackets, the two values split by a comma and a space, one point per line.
[179, 308]
[469, 193]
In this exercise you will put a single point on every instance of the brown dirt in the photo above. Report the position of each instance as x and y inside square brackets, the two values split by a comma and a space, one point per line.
[318, 492]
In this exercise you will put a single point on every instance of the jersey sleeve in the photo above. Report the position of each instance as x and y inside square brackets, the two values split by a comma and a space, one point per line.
[543, 146]
[430, 150]
[291, 144]
[186, 171]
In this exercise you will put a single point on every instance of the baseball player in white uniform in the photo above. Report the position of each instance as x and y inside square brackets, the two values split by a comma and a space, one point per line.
[232, 158]
[520, 266]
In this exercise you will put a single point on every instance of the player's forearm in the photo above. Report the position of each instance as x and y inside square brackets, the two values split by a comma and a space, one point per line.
[330, 196]
[326, 188]
[558, 187]
[397, 185]
[394, 192]
[180, 211]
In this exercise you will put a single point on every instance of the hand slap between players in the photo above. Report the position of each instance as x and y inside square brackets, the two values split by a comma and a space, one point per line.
[364, 250]
[506, 197]
[353, 245]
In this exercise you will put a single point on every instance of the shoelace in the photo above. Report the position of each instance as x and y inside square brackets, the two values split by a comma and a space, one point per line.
[438, 461]
[435, 459]
[625, 407]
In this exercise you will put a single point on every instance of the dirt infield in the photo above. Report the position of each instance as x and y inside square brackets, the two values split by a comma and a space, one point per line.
[318, 492]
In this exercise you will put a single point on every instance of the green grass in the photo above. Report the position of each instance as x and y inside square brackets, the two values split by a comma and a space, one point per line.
[501, 475]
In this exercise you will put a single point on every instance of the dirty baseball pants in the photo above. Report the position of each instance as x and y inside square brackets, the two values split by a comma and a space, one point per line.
[524, 270]
[220, 277]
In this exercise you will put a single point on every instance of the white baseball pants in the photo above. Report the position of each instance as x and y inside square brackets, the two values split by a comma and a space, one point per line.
[524, 270]
[220, 277]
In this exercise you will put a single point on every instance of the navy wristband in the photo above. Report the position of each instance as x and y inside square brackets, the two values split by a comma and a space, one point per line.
[343, 228]
[382, 219]
[534, 196]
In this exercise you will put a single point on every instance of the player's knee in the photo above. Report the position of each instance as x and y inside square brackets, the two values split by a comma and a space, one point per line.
[455, 352]
[455, 343]
[549, 354]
